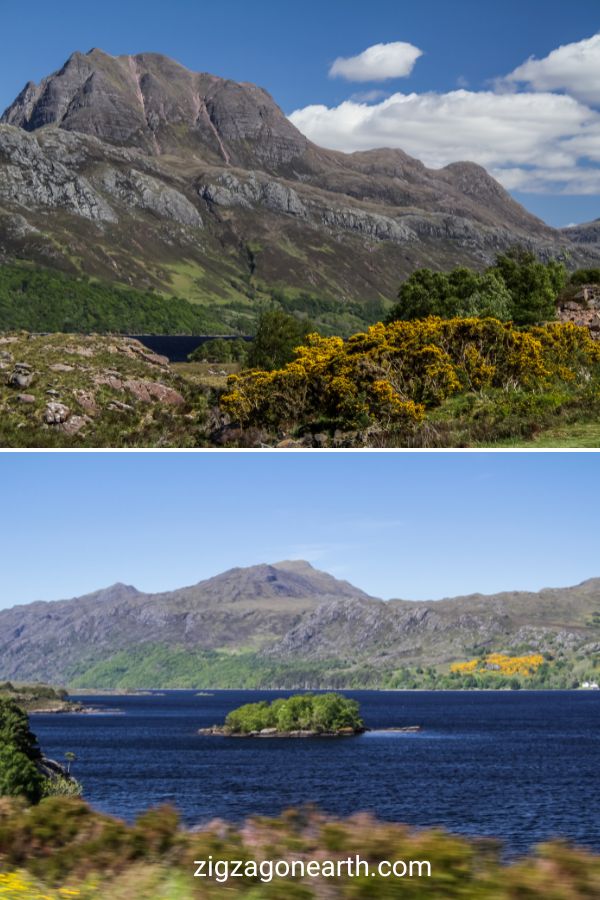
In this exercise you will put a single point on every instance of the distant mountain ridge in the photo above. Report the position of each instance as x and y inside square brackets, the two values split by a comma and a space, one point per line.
[136, 169]
[282, 615]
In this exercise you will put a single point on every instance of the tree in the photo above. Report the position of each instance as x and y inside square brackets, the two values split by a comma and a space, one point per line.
[19, 776]
[314, 712]
[277, 335]
[461, 292]
[221, 350]
[585, 276]
[15, 730]
[70, 758]
[534, 286]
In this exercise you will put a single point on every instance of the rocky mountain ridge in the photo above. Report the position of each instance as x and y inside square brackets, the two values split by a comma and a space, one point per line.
[136, 169]
[288, 613]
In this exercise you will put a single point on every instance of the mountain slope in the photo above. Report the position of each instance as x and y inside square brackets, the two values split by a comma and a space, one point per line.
[138, 170]
[276, 619]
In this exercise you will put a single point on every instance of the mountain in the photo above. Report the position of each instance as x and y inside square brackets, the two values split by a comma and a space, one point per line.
[135, 169]
[282, 624]
[586, 236]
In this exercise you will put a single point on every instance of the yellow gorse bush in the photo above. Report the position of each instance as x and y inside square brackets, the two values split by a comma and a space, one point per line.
[390, 374]
[20, 886]
[499, 664]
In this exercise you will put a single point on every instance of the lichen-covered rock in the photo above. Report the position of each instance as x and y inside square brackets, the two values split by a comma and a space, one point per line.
[74, 424]
[56, 413]
[147, 391]
[21, 376]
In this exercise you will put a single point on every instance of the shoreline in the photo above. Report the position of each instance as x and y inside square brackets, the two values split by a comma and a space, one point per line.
[223, 731]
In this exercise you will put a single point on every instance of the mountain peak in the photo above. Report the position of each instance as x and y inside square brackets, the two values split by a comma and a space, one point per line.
[294, 565]
[157, 153]
[117, 591]
[154, 103]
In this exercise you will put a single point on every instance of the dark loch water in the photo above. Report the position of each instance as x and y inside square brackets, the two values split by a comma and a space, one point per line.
[177, 347]
[521, 766]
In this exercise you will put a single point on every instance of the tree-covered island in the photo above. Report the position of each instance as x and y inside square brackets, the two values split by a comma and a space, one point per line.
[303, 715]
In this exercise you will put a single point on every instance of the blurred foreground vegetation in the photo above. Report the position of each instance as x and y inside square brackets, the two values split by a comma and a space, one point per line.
[61, 848]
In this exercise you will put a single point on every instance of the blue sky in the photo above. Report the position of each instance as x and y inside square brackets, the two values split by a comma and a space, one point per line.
[540, 134]
[412, 525]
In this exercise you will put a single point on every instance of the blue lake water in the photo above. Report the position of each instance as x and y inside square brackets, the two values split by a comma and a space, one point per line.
[177, 347]
[521, 766]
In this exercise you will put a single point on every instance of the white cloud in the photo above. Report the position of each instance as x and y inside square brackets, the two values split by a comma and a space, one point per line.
[377, 63]
[574, 68]
[499, 131]
[530, 140]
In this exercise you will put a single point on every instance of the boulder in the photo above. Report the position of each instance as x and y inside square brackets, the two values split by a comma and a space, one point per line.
[74, 424]
[56, 413]
[22, 376]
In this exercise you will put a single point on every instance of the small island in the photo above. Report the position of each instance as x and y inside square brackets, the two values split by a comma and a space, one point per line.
[303, 715]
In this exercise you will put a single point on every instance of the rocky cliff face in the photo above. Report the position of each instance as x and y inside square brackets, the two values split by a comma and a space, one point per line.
[137, 169]
[286, 613]
[152, 103]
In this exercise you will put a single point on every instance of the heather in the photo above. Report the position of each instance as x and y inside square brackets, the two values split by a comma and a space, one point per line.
[62, 848]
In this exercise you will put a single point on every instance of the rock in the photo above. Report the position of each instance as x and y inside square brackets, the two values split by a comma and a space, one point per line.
[137, 350]
[74, 424]
[119, 406]
[109, 380]
[79, 351]
[147, 391]
[25, 398]
[381, 228]
[22, 376]
[135, 189]
[289, 444]
[37, 180]
[86, 400]
[228, 191]
[582, 308]
[61, 367]
[56, 413]
[155, 359]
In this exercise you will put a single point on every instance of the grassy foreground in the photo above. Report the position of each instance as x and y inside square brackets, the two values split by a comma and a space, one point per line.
[61, 848]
